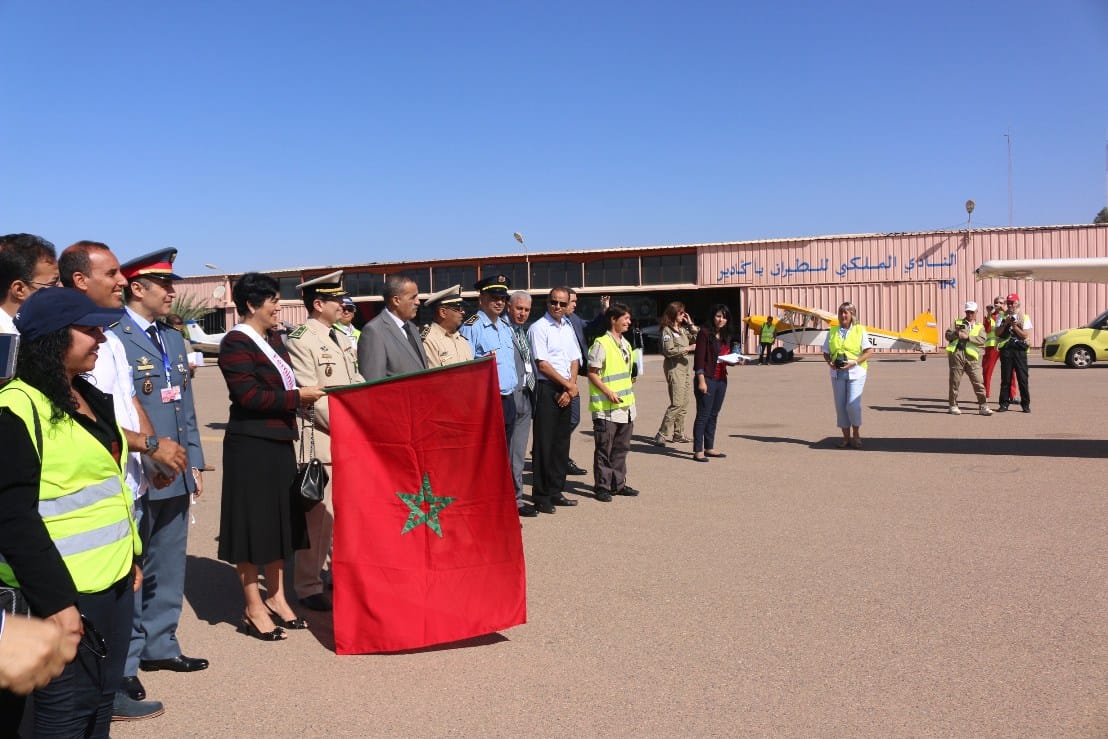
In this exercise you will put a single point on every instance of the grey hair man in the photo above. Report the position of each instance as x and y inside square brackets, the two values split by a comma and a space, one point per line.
[519, 310]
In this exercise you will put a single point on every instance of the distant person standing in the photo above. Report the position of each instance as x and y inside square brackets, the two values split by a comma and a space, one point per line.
[678, 341]
[346, 323]
[489, 332]
[442, 342]
[612, 404]
[519, 310]
[1014, 342]
[964, 341]
[846, 350]
[714, 340]
[765, 341]
[390, 343]
[580, 330]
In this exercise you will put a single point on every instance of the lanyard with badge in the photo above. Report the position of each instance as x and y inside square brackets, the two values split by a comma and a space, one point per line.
[170, 393]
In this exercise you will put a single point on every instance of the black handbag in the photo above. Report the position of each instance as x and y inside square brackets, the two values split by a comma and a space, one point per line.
[311, 476]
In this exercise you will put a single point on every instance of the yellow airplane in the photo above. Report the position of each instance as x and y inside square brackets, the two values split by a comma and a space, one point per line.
[799, 326]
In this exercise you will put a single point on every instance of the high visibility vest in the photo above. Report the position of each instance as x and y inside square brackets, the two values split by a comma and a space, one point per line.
[990, 337]
[767, 333]
[617, 377]
[83, 500]
[1000, 344]
[970, 349]
[850, 346]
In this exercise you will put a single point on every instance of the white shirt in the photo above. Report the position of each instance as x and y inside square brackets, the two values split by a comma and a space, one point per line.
[555, 344]
[7, 325]
[112, 375]
[596, 361]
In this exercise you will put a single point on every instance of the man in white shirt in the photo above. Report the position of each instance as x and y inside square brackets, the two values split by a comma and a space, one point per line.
[27, 263]
[557, 361]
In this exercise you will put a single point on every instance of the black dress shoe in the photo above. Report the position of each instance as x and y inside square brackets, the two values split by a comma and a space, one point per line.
[628, 491]
[563, 501]
[527, 511]
[544, 506]
[574, 469]
[177, 664]
[317, 602]
[602, 495]
[133, 688]
[1002, 409]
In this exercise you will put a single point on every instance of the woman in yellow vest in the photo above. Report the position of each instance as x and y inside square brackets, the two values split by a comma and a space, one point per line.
[846, 350]
[612, 404]
[68, 539]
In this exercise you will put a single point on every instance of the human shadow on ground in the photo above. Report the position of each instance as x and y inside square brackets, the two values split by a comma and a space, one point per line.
[212, 589]
[1074, 448]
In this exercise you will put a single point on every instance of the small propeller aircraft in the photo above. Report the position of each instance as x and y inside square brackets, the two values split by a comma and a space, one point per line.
[1093, 269]
[201, 341]
[799, 326]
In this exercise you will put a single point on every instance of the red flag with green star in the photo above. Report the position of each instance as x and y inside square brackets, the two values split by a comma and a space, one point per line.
[427, 546]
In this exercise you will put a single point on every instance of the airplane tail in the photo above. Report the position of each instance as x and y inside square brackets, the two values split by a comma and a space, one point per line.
[925, 330]
[196, 333]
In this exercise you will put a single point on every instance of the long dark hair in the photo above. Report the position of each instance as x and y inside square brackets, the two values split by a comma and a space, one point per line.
[41, 365]
[727, 332]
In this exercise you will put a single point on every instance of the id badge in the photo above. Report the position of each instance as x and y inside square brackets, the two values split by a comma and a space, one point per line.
[171, 394]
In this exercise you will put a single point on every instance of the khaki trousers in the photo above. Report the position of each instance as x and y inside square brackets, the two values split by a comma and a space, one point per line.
[961, 364]
[320, 522]
[677, 380]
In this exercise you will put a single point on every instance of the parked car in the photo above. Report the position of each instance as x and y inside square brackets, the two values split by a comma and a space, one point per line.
[1079, 347]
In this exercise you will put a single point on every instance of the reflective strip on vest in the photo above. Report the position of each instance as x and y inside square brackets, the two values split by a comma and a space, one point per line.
[88, 540]
[767, 333]
[79, 499]
[970, 349]
[618, 381]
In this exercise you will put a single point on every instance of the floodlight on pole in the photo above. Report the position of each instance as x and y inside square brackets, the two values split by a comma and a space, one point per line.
[526, 258]
[970, 205]
[212, 266]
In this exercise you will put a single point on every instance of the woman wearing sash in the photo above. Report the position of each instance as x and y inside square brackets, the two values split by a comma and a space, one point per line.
[260, 523]
[846, 350]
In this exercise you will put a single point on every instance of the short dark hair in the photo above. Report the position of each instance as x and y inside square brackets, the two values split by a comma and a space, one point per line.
[75, 259]
[616, 310]
[394, 286]
[19, 254]
[252, 290]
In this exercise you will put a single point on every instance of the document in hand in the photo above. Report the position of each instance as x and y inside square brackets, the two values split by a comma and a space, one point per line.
[733, 358]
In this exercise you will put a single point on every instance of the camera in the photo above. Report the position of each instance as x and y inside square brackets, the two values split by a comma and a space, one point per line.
[839, 363]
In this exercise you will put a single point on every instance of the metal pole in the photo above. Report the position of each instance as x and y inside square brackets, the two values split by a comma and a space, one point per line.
[1008, 136]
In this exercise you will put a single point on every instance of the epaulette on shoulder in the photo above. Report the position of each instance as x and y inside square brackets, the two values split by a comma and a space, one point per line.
[114, 324]
[299, 331]
[424, 331]
[471, 320]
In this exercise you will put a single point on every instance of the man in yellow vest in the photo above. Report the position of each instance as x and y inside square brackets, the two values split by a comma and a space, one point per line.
[612, 404]
[964, 341]
[765, 340]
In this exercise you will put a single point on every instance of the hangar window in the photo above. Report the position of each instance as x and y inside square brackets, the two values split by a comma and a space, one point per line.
[516, 272]
[458, 274]
[421, 277]
[364, 284]
[669, 269]
[615, 271]
[555, 274]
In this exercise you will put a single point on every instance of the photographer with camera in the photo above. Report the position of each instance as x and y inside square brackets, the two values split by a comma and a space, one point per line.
[846, 350]
[964, 341]
[1013, 333]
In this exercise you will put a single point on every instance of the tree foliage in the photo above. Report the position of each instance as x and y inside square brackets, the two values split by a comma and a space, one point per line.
[189, 308]
[1102, 216]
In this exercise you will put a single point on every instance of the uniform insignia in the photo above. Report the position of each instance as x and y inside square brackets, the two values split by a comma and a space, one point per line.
[328, 370]
[472, 319]
[143, 364]
[299, 331]
[147, 386]
[424, 331]
[185, 382]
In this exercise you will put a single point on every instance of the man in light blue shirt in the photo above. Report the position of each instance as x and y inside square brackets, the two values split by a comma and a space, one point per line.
[489, 332]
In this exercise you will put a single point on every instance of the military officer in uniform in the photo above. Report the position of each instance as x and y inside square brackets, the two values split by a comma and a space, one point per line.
[160, 371]
[441, 341]
[489, 332]
[321, 356]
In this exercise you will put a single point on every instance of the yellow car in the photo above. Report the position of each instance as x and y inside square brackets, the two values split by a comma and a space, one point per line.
[1079, 347]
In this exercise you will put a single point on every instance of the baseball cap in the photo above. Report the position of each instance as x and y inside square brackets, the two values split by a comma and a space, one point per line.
[1013, 298]
[53, 308]
[970, 305]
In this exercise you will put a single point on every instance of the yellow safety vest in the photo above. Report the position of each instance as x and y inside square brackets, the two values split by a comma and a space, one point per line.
[850, 346]
[990, 337]
[767, 333]
[83, 500]
[1000, 344]
[970, 349]
[618, 378]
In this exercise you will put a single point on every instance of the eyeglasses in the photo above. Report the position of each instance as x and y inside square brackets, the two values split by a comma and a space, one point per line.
[92, 640]
[348, 309]
[559, 304]
[458, 308]
[56, 282]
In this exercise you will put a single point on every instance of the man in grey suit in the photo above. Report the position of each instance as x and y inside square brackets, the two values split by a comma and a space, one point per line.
[159, 368]
[519, 310]
[390, 344]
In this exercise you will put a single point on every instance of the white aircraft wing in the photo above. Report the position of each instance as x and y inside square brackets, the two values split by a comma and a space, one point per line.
[1059, 270]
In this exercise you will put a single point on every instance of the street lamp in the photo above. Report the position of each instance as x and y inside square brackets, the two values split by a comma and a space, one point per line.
[526, 258]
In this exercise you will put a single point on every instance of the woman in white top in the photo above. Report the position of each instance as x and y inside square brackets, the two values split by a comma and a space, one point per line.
[846, 350]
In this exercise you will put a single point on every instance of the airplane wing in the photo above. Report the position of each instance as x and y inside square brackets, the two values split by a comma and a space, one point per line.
[790, 308]
[1058, 270]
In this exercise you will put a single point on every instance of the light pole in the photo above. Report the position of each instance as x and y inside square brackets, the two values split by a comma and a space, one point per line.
[526, 259]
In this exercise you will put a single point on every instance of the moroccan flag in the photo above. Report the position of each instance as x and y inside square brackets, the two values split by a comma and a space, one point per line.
[427, 544]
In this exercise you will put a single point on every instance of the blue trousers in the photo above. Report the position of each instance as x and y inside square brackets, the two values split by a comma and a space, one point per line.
[164, 527]
[848, 399]
[708, 406]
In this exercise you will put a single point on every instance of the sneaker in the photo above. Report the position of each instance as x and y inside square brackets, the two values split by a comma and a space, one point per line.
[658, 440]
[986, 411]
[126, 708]
[955, 411]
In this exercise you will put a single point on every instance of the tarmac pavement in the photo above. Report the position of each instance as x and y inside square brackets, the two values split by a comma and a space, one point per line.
[949, 579]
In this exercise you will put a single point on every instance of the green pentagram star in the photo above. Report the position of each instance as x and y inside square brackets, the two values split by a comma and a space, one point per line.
[415, 501]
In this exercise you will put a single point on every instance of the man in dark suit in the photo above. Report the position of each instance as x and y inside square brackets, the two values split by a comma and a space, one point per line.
[159, 366]
[390, 343]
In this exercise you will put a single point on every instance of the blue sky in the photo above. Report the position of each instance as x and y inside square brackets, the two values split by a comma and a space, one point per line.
[257, 135]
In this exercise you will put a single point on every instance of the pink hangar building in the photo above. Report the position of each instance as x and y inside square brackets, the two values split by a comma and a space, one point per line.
[890, 277]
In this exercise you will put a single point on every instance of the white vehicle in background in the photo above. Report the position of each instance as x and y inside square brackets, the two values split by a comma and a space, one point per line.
[201, 341]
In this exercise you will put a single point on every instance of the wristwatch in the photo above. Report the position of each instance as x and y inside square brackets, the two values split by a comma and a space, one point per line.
[151, 445]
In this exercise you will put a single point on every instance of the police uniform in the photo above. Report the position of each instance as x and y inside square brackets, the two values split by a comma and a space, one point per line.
[159, 368]
[321, 356]
[488, 336]
[444, 348]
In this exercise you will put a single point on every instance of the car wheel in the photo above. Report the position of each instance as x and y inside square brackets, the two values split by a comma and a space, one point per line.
[780, 355]
[1079, 357]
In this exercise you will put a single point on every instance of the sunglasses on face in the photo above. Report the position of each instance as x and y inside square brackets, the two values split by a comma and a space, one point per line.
[559, 304]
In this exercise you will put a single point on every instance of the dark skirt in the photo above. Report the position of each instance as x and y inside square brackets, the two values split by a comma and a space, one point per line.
[259, 520]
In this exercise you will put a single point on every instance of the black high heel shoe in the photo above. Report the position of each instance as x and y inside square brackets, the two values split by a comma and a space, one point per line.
[296, 623]
[247, 627]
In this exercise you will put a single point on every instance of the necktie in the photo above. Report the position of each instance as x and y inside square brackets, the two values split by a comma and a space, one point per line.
[334, 338]
[416, 346]
[525, 352]
[152, 332]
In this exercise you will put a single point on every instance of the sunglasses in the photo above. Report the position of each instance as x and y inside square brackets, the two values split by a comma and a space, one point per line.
[559, 303]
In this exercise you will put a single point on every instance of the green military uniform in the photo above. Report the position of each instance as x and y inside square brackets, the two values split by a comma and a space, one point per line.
[675, 365]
